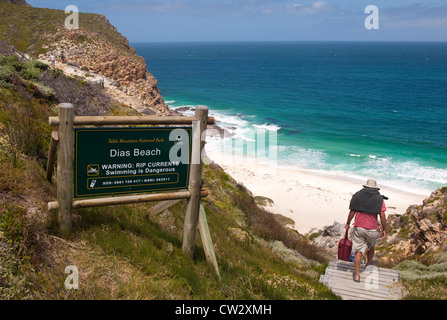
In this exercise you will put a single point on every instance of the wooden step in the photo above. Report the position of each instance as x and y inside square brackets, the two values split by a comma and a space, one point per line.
[382, 275]
[375, 283]
[367, 281]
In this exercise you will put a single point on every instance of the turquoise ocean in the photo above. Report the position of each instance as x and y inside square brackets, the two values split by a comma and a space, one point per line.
[355, 109]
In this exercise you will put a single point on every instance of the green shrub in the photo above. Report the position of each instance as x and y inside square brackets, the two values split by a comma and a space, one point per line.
[56, 72]
[45, 92]
[6, 84]
[13, 284]
[11, 223]
[23, 129]
[39, 65]
[12, 62]
[268, 227]
[31, 87]
[31, 74]
[6, 72]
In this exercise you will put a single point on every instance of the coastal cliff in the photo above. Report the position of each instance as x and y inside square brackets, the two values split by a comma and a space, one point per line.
[96, 47]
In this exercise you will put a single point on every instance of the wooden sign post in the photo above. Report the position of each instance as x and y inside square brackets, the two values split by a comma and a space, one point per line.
[95, 182]
[195, 181]
[65, 166]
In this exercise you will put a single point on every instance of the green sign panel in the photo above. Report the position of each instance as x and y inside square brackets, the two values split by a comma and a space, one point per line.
[112, 161]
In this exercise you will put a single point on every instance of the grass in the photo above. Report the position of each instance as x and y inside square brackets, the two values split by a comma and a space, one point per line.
[263, 201]
[35, 80]
[13, 281]
[23, 27]
[267, 226]
[156, 268]
[424, 282]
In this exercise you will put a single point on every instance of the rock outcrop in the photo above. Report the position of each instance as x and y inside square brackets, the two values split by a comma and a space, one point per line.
[425, 226]
[329, 237]
[421, 231]
[19, 2]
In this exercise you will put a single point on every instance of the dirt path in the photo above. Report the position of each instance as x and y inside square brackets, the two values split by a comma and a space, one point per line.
[110, 85]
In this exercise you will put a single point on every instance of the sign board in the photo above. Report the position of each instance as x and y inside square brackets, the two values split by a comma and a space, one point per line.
[112, 161]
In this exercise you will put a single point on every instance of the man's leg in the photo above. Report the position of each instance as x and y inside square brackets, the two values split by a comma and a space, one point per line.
[369, 256]
[357, 260]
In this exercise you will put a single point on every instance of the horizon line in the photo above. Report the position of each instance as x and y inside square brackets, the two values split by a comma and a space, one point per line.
[289, 41]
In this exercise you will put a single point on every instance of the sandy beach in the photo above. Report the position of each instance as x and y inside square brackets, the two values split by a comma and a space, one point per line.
[313, 199]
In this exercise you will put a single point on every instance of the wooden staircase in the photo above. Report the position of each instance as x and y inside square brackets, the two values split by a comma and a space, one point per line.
[375, 283]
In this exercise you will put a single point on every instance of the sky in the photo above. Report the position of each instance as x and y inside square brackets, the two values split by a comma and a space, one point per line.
[268, 20]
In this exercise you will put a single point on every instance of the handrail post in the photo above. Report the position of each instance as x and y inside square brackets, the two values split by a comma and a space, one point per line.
[195, 181]
[65, 166]
[207, 242]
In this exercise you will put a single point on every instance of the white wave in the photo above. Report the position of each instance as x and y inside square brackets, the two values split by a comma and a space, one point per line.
[407, 175]
[228, 120]
[235, 126]
[266, 126]
[302, 157]
[186, 110]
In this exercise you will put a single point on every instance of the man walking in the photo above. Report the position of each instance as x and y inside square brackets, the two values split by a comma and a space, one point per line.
[365, 206]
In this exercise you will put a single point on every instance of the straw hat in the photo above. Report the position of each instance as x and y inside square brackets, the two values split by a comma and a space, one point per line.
[371, 184]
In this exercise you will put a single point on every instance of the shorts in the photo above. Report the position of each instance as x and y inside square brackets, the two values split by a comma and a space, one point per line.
[364, 239]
